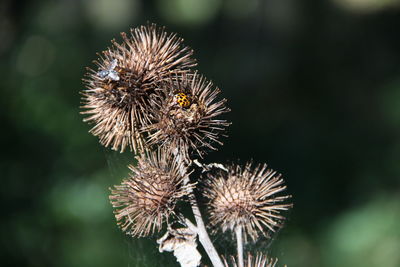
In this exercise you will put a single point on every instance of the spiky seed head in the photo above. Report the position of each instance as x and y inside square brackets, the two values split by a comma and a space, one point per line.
[186, 116]
[246, 197]
[119, 93]
[145, 200]
[259, 261]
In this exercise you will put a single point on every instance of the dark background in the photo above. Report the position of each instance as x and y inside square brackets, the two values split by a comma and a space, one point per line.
[314, 88]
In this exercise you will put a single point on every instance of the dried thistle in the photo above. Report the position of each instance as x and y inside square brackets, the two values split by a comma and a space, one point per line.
[185, 118]
[143, 96]
[145, 200]
[259, 261]
[246, 198]
[118, 95]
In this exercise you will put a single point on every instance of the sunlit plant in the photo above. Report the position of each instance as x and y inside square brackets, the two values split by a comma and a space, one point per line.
[144, 96]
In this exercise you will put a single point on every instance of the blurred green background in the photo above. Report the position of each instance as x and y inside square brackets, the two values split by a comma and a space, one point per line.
[314, 88]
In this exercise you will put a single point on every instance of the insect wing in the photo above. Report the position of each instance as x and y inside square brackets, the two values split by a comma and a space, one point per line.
[113, 75]
[113, 64]
[103, 74]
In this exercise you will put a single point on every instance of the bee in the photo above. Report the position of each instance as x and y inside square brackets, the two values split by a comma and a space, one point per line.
[109, 73]
[182, 100]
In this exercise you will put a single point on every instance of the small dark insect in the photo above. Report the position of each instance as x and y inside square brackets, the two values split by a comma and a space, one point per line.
[109, 73]
[182, 99]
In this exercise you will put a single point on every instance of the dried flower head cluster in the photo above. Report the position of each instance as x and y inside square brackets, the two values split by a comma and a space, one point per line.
[144, 96]
[120, 92]
[259, 261]
[186, 116]
[247, 198]
[145, 200]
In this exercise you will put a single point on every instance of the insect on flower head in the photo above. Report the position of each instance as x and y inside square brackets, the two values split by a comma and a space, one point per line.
[119, 95]
[182, 100]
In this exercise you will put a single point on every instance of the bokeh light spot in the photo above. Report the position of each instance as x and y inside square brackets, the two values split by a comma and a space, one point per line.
[189, 12]
[35, 56]
[82, 200]
[111, 15]
[366, 236]
[366, 6]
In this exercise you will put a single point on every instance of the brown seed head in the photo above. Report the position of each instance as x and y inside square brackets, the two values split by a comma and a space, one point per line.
[185, 116]
[247, 198]
[119, 93]
[259, 261]
[147, 198]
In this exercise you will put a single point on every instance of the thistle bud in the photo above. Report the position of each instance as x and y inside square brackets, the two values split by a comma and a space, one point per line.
[259, 261]
[247, 198]
[145, 200]
[185, 118]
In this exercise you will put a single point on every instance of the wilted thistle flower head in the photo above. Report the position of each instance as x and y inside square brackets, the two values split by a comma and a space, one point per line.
[246, 197]
[119, 93]
[145, 200]
[259, 261]
[185, 116]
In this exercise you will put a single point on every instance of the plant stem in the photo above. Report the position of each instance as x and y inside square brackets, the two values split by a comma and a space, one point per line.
[239, 240]
[201, 228]
[203, 235]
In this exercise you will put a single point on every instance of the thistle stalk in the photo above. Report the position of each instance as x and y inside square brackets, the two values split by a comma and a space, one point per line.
[201, 228]
[239, 242]
[203, 235]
